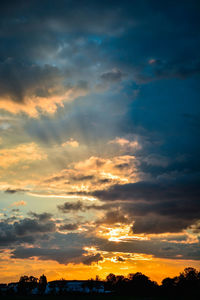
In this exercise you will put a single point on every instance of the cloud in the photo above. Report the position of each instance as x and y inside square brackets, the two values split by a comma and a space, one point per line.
[52, 55]
[195, 228]
[109, 168]
[65, 256]
[37, 74]
[22, 153]
[93, 259]
[22, 81]
[72, 248]
[156, 206]
[69, 252]
[114, 216]
[178, 69]
[95, 173]
[153, 223]
[76, 206]
[28, 226]
[71, 142]
[157, 248]
[115, 75]
[125, 143]
[19, 203]
[13, 191]
[82, 177]
[26, 230]
[68, 227]
[156, 160]
[43, 217]
[39, 64]
[66, 207]
[152, 191]
[120, 259]
[40, 104]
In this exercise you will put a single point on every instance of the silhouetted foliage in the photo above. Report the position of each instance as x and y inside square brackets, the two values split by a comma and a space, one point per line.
[42, 284]
[187, 284]
[27, 284]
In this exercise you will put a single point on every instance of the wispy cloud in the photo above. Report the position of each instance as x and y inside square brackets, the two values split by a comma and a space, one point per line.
[22, 153]
[19, 203]
[71, 142]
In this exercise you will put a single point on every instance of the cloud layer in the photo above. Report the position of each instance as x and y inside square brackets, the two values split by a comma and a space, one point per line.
[99, 126]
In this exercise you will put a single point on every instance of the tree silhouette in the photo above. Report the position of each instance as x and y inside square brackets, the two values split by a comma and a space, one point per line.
[27, 284]
[188, 282]
[42, 284]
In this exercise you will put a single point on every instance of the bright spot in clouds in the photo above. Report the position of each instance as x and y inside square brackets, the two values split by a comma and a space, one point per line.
[71, 142]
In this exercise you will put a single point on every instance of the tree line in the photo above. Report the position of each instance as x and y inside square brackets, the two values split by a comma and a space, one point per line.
[187, 283]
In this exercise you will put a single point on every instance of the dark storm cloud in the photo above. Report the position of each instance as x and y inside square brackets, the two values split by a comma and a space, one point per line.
[65, 256]
[157, 248]
[20, 80]
[43, 217]
[157, 207]
[114, 75]
[76, 206]
[176, 69]
[82, 177]
[70, 248]
[93, 258]
[73, 178]
[33, 32]
[114, 216]
[62, 256]
[13, 191]
[25, 230]
[8, 235]
[28, 226]
[44, 42]
[55, 178]
[120, 259]
[15, 210]
[155, 224]
[67, 207]
[154, 191]
[158, 70]
[68, 226]
[195, 228]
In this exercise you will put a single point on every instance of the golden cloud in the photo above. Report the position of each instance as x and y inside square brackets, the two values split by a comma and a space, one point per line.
[125, 143]
[95, 173]
[22, 153]
[34, 105]
[71, 142]
[19, 203]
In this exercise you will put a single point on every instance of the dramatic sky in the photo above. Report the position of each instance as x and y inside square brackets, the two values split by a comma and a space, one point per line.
[99, 138]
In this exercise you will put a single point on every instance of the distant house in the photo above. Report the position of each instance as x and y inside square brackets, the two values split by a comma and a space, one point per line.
[75, 286]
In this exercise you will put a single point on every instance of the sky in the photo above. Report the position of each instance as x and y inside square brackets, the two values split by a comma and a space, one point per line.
[99, 138]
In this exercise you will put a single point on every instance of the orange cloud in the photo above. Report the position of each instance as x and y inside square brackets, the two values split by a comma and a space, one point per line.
[134, 145]
[22, 153]
[34, 105]
[94, 173]
[19, 203]
[71, 142]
